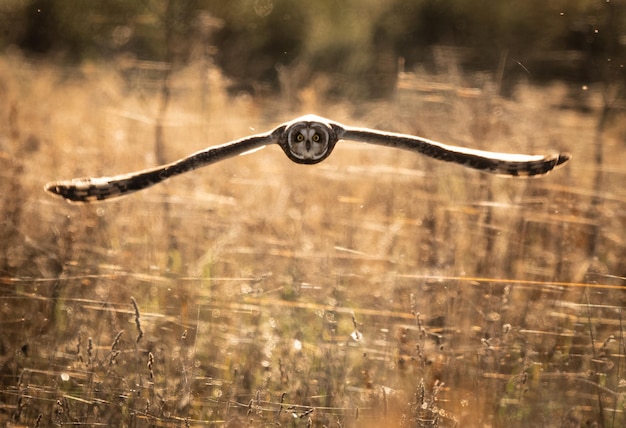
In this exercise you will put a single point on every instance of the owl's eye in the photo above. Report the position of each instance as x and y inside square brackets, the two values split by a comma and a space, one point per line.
[316, 137]
[299, 137]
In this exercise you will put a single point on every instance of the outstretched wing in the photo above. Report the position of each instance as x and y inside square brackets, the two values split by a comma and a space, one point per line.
[96, 189]
[496, 163]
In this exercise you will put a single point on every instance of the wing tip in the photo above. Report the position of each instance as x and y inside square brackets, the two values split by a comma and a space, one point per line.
[55, 188]
[67, 191]
[563, 158]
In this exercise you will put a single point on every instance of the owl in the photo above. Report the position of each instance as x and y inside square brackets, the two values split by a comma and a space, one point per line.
[306, 140]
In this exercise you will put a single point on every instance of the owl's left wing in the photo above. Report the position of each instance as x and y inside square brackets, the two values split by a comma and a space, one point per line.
[497, 163]
[96, 189]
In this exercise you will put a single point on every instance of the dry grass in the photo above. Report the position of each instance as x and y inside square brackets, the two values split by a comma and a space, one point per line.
[375, 288]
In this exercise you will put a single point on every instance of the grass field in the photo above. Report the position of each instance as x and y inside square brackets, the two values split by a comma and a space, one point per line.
[376, 288]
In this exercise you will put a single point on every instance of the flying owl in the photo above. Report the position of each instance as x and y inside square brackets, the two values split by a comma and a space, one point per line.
[306, 140]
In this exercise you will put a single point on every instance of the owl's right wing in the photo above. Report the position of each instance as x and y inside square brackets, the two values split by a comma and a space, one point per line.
[516, 165]
[96, 189]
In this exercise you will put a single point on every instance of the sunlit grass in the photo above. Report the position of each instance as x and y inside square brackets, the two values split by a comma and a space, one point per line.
[375, 288]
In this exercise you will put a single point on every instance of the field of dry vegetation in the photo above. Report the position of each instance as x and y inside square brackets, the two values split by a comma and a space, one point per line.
[376, 288]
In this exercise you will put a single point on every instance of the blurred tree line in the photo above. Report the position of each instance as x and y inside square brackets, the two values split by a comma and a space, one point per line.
[352, 40]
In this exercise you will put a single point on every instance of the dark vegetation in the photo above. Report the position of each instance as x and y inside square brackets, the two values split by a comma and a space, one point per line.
[357, 42]
[374, 289]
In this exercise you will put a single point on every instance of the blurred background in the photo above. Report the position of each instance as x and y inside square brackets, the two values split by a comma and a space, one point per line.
[360, 45]
[378, 287]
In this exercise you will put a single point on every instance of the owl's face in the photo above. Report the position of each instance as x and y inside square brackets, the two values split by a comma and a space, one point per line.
[307, 141]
